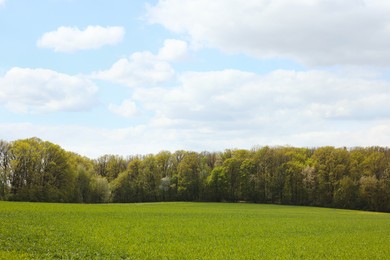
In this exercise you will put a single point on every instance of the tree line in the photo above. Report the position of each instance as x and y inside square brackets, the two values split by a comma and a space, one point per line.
[350, 178]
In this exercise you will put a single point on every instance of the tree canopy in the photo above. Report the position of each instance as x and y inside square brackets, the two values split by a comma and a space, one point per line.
[353, 178]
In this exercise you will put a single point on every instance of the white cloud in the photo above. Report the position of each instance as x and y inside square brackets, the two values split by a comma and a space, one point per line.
[26, 90]
[220, 109]
[173, 50]
[231, 94]
[71, 39]
[234, 109]
[144, 68]
[223, 109]
[140, 69]
[2, 2]
[314, 32]
[127, 109]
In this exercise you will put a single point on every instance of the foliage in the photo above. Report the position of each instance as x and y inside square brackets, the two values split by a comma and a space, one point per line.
[358, 178]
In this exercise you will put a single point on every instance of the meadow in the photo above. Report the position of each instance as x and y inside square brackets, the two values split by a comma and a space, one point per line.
[187, 230]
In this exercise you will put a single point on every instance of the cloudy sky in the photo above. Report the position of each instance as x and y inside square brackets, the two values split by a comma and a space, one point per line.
[136, 77]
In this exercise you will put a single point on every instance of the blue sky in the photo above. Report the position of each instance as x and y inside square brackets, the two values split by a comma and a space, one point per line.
[136, 77]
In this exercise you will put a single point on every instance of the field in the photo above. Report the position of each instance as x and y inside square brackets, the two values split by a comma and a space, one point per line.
[181, 230]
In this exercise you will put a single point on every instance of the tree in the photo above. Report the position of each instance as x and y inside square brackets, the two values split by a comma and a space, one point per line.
[368, 192]
[188, 177]
[248, 185]
[82, 192]
[374, 163]
[5, 169]
[217, 184]
[35, 170]
[99, 189]
[310, 184]
[207, 162]
[27, 175]
[231, 170]
[125, 188]
[40, 172]
[384, 188]
[83, 170]
[331, 165]
[294, 190]
[165, 169]
[346, 194]
[149, 179]
[270, 171]
[58, 179]
[164, 163]
[110, 166]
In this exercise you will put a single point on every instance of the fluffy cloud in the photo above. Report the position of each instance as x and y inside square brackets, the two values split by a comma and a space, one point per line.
[314, 32]
[2, 2]
[231, 94]
[235, 108]
[127, 109]
[71, 39]
[26, 90]
[145, 68]
[173, 50]
[140, 69]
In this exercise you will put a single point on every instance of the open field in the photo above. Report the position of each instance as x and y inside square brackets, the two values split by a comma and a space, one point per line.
[189, 230]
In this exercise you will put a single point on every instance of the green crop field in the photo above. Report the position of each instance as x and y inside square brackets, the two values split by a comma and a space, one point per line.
[182, 230]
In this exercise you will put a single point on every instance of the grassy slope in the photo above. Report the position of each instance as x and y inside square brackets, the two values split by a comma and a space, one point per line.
[190, 230]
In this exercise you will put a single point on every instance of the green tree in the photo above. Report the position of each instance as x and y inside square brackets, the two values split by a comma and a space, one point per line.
[99, 189]
[346, 194]
[331, 165]
[368, 192]
[34, 170]
[294, 190]
[40, 172]
[248, 184]
[310, 184]
[58, 180]
[207, 162]
[82, 192]
[384, 192]
[83, 170]
[26, 178]
[5, 169]
[165, 169]
[188, 177]
[110, 166]
[115, 165]
[374, 162]
[271, 173]
[164, 163]
[231, 170]
[217, 184]
[125, 187]
[149, 179]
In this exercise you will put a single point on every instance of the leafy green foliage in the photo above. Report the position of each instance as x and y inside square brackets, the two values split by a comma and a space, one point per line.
[358, 178]
[183, 230]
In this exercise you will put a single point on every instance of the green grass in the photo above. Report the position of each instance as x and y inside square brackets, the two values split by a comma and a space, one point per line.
[190, 231]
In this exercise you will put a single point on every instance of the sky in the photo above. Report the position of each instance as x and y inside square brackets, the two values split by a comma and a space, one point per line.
[137, 77]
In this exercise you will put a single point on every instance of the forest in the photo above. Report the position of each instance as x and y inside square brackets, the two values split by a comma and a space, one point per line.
[349, 178]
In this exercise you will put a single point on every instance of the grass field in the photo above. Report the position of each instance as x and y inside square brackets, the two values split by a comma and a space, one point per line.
[190, 230]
